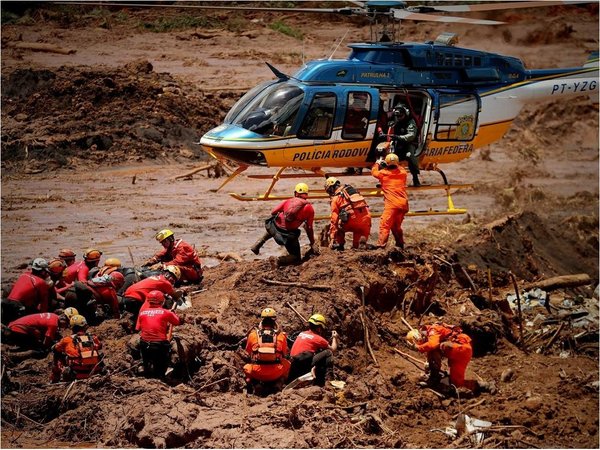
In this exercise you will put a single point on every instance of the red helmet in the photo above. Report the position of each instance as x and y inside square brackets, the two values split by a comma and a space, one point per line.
[117, 279]
[155, 298]
[66, 253]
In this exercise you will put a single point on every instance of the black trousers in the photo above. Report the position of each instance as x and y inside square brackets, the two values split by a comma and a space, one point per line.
[12, 310]
[287, 238]
[304, 362]
[156, 357]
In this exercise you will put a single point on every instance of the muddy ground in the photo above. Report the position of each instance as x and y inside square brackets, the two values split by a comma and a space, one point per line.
[92, 142]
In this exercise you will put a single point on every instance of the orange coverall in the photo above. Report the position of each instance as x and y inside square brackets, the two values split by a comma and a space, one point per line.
[395, 205]
[456, 346]
[359, 222]
[267, 372]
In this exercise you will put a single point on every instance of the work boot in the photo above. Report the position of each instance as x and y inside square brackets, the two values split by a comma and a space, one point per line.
[362, 243]
[257, 246]
[416, 182]
[287, 260]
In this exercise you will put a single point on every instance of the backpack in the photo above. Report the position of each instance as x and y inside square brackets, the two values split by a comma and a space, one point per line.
[265, 351]
[89, 361]
[293, 208]
[354, 201]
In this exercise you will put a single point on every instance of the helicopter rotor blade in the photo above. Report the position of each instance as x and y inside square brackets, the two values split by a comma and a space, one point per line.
[408, 15]
[492, 6]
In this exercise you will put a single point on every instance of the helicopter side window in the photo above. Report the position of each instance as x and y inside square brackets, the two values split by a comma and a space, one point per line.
[458, 117]
[318, 121]
[356, 121]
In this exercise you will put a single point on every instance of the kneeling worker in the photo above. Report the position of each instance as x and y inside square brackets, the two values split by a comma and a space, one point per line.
[312, 353]
[267, 348]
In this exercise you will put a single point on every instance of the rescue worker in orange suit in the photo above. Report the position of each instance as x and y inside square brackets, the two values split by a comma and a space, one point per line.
[392, 177]
[349, 214]
[176, 253]
[284, 223]
[79, 271]
[137, 293]
[30, 294]
[37, 331]
[78, 356]
[154, 323]
[267, 348]
[87, 295]
[312, 353]
[442, 340]
[68, 256]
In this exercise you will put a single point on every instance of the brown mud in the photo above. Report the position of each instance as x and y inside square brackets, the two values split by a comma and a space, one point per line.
[91, 145]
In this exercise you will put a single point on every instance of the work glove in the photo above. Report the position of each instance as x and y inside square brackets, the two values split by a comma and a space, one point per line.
[380, 162]
[315, 248]
[408, 154]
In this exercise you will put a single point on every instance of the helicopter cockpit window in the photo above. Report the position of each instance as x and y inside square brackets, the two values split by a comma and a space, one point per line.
[356, 121]
[273, 111]
[458, 117]
[246, 98]
[318, 122]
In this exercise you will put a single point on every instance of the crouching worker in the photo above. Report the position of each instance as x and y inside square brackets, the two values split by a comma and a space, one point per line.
[154, 323]
[442, 340]
[312, 353]
[78, 356]
[267, 348]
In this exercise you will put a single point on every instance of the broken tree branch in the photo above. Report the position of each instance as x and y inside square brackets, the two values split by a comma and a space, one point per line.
[363, 319]
[563, 281]
[196, 170]
[411, 358]
[43, 47]
[514, 280]
[315, 287]
[297, 313]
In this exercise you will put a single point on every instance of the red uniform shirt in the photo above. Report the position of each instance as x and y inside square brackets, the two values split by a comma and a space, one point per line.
[105, 293]
[32, 291]
[153, 323]
[78, 271]
[306, 214]
[308, 341]
[180, 254]
[38, 325]
[140, 289]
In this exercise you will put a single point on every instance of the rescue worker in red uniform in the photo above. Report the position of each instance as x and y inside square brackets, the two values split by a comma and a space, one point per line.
[30, 293]
[392, 177]
[312, 353]
[37, 331]
[79, 271]
[78, 356]
[177, 253]
[137, 293]
[87, 295]
[56, 268]
[442, 340]
[349, 214]
[153, 323]
[67, 255]
[284, 223]
[267, 348]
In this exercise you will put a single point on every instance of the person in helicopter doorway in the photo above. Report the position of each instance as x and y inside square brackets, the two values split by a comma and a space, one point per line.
[402, 130]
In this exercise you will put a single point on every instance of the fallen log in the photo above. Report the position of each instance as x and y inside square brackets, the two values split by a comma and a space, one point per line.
[563, 281]
[409, 357]
[315, 287]
[42, 47]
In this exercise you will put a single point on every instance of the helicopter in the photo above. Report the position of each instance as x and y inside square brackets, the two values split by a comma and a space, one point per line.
[331, 112]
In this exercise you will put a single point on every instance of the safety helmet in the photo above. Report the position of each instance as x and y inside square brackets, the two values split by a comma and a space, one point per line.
[163, 234]
[70, 312]
[331, 182]
[78, 321]
[113, 262]
[400, 110]
[56, 266]
[91, 254]
[66, 253]
[174, 270]
[268, 312]
[392, 159]
[301, 188]
[117, 279]
[39, 264]
[155, 297]
[414, 336]
[318, 319]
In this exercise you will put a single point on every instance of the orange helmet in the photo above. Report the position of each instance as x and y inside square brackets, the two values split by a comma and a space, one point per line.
[155, 297]
[91, 254]
[113, 262]
[66, 253]
[117, 279]
[56, 266]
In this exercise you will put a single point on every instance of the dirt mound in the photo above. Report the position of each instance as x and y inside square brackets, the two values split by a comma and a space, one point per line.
[138, 114]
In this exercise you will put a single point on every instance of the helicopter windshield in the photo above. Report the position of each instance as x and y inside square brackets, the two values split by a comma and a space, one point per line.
[273, 111]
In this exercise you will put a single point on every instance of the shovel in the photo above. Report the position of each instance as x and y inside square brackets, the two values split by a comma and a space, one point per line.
[301, 379]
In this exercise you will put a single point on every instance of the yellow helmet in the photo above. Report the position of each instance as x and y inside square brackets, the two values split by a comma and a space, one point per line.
[414, 337]
[301, 188]
[70, 312]
[330, 182]
[174, 270]
[78, 320]
[392, 159]
[318, 319]
[268, 312]
[91, 254]
[113, 262]
[163, 234]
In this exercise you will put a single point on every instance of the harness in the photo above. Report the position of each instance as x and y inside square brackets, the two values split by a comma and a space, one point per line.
[88, 360]
[265, 350]
[355, 202]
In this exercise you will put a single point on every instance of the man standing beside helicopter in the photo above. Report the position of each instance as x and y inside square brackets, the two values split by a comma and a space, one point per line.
[403, 132]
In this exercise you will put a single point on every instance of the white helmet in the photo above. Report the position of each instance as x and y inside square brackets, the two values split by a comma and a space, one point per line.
[39, 264]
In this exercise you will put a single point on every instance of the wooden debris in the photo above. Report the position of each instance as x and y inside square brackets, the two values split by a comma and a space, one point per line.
[514, 280]
[194, 171]
[363, 319]
[314, 287]
[43, 47]
[297, 313]
[564, 281]
[411, 358]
